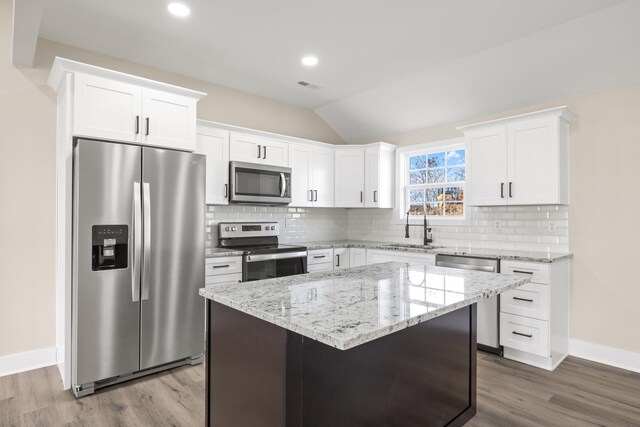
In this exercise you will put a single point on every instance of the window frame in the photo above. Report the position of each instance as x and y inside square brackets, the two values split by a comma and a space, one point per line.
[403, 155]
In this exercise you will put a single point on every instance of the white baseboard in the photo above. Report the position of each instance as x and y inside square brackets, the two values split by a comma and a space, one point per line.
[21, 362]
[622, 359]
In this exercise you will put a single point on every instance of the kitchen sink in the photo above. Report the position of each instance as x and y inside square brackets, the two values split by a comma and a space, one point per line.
[409, 246]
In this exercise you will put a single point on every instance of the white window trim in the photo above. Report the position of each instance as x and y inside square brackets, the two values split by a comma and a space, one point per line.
[401, 171]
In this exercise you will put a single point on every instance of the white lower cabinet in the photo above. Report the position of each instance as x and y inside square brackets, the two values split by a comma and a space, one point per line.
[320, 260]
[357, 257]
[376, 256]
[534, 323]
[223, 271]
[340, 258]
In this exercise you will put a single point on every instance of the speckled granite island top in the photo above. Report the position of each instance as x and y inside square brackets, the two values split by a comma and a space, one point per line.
[349, 307]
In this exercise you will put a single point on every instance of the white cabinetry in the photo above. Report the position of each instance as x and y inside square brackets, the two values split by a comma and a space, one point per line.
[255, 149]
[357, 257]
[223, 270]
[214, 143]
[312, 175]
[521, 160]
[376, 256]
[534, 324]
[365, 176]
[340, 258]
[110, 108]
[320, 260]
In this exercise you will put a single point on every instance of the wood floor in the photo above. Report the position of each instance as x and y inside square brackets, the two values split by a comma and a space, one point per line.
[578, 393]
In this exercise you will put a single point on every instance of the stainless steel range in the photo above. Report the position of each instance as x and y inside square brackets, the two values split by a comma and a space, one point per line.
[264, 257]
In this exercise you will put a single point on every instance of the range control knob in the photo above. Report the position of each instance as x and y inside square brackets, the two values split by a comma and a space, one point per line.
[227, 229]
[234, 228]
[273, 227]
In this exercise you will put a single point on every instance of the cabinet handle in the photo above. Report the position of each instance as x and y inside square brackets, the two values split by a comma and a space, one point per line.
[502, 190]
[311, 195]
[338, 264]
[147, 132]
[375, 196]
[523, 272]
[361, 196]
[259, 151]
[264, 156]
[137, 125]
[315, 197]
[510, 185]
[521, 334]
[523, 299]
[226, 191]
[319, 256]
[221, 266]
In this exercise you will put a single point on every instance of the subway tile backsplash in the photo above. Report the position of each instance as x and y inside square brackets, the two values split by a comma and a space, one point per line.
[525, 228]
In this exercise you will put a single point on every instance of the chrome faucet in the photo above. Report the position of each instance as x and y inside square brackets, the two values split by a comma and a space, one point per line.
[425, 226]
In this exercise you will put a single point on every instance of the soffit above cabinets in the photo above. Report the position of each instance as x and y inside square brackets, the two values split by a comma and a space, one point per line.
[385, 67]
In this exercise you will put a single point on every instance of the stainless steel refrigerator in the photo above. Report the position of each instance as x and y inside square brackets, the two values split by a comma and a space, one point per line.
[138, 262]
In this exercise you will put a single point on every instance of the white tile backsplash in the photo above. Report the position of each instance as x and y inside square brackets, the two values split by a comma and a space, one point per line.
[523, 228]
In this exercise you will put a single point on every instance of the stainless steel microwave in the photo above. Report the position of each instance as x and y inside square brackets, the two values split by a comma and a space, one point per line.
[252, 183]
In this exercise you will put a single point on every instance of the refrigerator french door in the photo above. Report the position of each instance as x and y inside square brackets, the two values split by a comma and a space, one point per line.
[138, 261]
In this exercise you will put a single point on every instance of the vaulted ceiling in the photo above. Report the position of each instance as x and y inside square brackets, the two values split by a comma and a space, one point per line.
[385, 66]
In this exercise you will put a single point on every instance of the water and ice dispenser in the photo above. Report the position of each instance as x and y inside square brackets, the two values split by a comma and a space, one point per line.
[109, 247]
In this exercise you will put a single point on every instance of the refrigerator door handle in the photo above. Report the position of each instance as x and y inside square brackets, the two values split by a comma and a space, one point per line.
[146, 263]
[137, 243]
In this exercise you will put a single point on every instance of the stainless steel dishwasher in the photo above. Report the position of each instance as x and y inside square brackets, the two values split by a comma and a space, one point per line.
[488, 309]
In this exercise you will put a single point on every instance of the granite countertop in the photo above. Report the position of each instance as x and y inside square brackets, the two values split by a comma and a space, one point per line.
[349, 307]
[222, 252]
[513, 255]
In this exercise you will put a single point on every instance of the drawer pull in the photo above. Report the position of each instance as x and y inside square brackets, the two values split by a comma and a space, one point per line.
[523, 299]
[221, 266]
[320, 256]
[523, 272]
[522, 335]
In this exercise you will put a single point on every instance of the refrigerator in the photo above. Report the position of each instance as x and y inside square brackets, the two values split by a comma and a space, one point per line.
[138, 261]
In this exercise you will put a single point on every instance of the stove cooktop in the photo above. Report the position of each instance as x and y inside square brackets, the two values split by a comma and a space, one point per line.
[271, 249]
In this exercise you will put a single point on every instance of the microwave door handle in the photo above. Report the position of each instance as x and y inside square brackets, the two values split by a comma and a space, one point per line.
[283, 184]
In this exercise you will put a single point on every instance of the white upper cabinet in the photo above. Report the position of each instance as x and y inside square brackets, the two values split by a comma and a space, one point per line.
[255, 149]
[121, 107]
[349, 183]
[365, 176]
[214, 143]
[520, 160]
[312, 175]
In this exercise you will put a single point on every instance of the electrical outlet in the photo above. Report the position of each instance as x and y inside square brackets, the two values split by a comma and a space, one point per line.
[497, 225]
[552, 227]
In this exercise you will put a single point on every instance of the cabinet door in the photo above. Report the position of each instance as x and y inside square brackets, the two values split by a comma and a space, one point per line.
[245, 148]
[341, 258]
[322, 177]
[488, 164]
[106, 109]
[169, 120]
[349, 175]
[357, 257]
[214, 144]
[275, 153]
[300, 156]
[371, 177]
[533, 162]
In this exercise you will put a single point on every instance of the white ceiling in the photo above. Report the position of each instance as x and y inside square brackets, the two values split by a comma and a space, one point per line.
[385, 66]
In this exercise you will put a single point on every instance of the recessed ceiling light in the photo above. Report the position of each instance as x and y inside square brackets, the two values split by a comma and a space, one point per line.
[309, 61]
[179, 9]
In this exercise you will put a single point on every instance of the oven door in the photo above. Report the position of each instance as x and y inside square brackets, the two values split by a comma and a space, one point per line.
[253, 183]
[268, 266]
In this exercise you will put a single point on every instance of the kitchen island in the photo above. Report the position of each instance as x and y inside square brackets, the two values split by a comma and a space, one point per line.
[386, 344]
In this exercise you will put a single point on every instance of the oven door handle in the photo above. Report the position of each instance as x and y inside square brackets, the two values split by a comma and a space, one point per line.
[270, 257]
[283, 184]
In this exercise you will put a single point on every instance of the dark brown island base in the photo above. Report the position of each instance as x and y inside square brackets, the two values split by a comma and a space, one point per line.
[408, 366]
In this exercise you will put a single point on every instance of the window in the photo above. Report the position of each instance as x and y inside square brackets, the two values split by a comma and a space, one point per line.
[435, 182]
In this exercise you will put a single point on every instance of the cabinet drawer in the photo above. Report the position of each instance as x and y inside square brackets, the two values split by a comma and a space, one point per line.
[530, 300]
[327, 266]
[222, 279]
[224, 265]
[320, 256]
[525, 334]
[375, 256]
[539, 272]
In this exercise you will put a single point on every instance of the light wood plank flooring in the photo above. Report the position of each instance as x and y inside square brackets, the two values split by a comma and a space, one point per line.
[578, 393]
